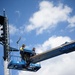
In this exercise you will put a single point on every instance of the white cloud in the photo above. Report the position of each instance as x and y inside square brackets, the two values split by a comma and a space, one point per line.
[48, 16]
[61, 65]
[18, 12]
[52, 42]
[71, 21]
[12, 29]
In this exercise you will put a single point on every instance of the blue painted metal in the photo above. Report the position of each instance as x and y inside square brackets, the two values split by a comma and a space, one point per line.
[64, 48]
[29, 52]
[68, 48]
[21, 65]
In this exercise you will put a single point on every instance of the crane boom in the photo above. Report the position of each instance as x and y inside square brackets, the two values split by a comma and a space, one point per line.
[65, 48]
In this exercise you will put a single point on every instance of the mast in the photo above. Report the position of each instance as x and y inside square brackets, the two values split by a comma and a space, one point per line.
[6, 45]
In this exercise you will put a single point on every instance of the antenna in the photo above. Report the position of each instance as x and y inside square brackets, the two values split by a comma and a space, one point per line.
[4, 12]
[18, 41]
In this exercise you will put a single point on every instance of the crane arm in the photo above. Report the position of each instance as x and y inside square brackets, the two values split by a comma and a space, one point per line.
[13, 49]
[65, 48]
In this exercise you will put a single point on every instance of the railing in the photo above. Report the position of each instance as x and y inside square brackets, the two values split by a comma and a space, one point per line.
[15, 58]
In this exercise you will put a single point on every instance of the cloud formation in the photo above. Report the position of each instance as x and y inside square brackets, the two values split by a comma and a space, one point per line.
[48, 16]
[13, 29]
[71, 22]
[18, 13]
[52, 42]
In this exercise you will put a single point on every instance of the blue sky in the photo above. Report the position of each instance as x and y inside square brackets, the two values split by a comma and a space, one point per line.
[43, 24]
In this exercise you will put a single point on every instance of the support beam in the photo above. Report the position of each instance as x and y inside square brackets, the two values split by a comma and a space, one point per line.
[65, 48]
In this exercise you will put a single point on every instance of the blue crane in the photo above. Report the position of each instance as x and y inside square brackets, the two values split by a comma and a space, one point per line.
[32, 61]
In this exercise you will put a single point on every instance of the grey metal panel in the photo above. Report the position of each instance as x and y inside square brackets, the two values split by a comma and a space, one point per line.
[53, 52]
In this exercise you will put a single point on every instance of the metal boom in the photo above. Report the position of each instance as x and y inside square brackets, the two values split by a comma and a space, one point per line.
[66, 48]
